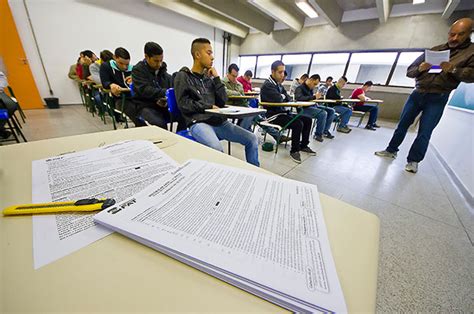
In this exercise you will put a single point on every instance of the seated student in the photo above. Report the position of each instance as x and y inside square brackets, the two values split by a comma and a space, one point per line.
[359, 93]
[200, 88]
[334, 92]
[246, 81]
[297, 82]
[87, 58]
[323, 116]
[116, 75]
[73, 71]
[273, 91]
[150, 82]
[6, 102]
[94, 68]
[323, 87]
[234, 88]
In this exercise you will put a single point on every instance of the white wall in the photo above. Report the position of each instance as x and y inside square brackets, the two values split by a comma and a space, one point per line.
[63, 28]
[453, 140]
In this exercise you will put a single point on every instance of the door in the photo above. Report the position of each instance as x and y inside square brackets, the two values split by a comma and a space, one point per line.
[15, 63]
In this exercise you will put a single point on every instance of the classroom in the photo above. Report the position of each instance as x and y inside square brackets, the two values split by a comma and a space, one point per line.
[236, 156]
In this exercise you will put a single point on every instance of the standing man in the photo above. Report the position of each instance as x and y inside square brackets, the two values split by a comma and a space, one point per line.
[334, 92]
[200, 88]
[150, 82]
[273, 91]
[373, 110]
[432, 91]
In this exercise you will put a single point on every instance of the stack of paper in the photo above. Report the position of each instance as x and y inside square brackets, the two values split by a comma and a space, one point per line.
[262, 233]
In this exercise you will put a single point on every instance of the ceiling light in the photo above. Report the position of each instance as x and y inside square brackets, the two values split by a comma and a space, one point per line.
[304, 6]
[418, 1]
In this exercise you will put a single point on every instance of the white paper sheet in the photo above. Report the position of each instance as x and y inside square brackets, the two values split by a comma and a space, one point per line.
[113, 171]
[262, 233]
[435, 58]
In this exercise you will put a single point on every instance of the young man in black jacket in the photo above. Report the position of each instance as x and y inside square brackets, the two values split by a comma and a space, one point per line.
[150, 82]
[199, 89]
[116, 76]
[323, 116]
[273, 91]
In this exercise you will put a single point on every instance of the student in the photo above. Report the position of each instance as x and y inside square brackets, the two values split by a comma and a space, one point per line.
[273, 91]
[373, 110]
[323, 87]
[298, 82]
[200, 88]
[334, 92]
[87, 58]
[5, 103]
[246, 81]
[323, 116]
[150, 82]
[234, 88]
[116, 75]
[432, 91]
[94, 68]
[73, 71]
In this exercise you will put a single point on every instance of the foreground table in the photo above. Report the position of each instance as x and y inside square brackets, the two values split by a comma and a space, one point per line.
[117, 274]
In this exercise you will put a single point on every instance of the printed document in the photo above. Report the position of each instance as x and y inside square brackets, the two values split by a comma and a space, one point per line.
[262, 233]
[114, 171]
[435, 58]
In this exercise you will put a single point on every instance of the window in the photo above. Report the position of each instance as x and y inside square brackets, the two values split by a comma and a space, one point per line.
[264, 64]
[296, 65]
[247, 63]
[370, 66]
[399, 77]
[329, 64]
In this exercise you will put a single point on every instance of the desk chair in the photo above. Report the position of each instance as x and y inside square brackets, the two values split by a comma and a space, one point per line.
[360, 115]
[12, 126]
[174, 111]
[20, 110]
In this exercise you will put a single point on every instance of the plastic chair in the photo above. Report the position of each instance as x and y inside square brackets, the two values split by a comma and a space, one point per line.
[12, 126]
[175, 112]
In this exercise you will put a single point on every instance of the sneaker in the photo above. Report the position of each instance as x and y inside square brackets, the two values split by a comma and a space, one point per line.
[329, 135]
[308, 151]
[296, 157]
[344, 129]
[384, 153]
[375, 125]
[412, 166]
[5, 134]
[284, 139]
[370, 127]
[318, 138]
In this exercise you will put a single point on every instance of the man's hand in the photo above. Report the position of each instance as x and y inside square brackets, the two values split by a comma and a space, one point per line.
[128, 80]
[212, 72]
[447, 66]
[115, 89]
[317, 95]
[215, 107]
[424, 66]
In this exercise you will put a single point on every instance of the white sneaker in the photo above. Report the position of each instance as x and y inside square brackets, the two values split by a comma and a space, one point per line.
[412, 166]
[384, 153]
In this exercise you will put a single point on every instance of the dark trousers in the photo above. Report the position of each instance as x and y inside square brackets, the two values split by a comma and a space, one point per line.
[160, 118]
[7, 103]
[300, 129]
[373, 111]
[431, 106]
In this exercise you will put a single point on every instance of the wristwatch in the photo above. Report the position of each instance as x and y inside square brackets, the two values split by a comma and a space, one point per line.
[454, 70]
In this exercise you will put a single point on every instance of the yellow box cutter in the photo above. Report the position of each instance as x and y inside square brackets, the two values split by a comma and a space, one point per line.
[84, 205]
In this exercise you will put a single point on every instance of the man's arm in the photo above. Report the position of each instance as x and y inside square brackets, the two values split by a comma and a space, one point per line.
[221, 96]
[3, 81]
[185, 102]
[464, 74]
[105, 75]
[95, 72]
[270, 93]
[229, 91]
[299, 94]
[144, 88]
[418, 67]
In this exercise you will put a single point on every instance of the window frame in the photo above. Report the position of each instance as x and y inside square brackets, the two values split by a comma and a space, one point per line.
[389, 77]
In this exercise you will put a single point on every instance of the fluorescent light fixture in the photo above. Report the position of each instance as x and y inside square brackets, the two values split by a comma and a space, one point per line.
[418, 1]
[307, 9]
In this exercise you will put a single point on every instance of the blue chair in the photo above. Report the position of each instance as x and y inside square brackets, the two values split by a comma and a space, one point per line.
[12, 126]
[175, 112]
[253, 103]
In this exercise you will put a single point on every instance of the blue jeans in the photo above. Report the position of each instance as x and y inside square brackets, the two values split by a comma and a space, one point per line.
[319, 115]
[345, 114]
[330, 117]
[210, 136]
[373, 111]
[431, 106]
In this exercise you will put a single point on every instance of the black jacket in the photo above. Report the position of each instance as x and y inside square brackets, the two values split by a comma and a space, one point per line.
[271, 91]
[112, 75]
[149, 85]
[195, 93]
[304, 93]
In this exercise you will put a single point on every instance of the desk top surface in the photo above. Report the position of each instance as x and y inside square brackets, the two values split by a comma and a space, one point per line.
[243, 97]
[288, 104]
[117, 274]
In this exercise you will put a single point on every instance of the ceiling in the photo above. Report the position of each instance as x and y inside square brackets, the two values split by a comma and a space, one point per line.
[239, 17]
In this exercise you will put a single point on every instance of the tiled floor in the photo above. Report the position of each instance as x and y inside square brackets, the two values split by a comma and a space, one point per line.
[427, 231]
